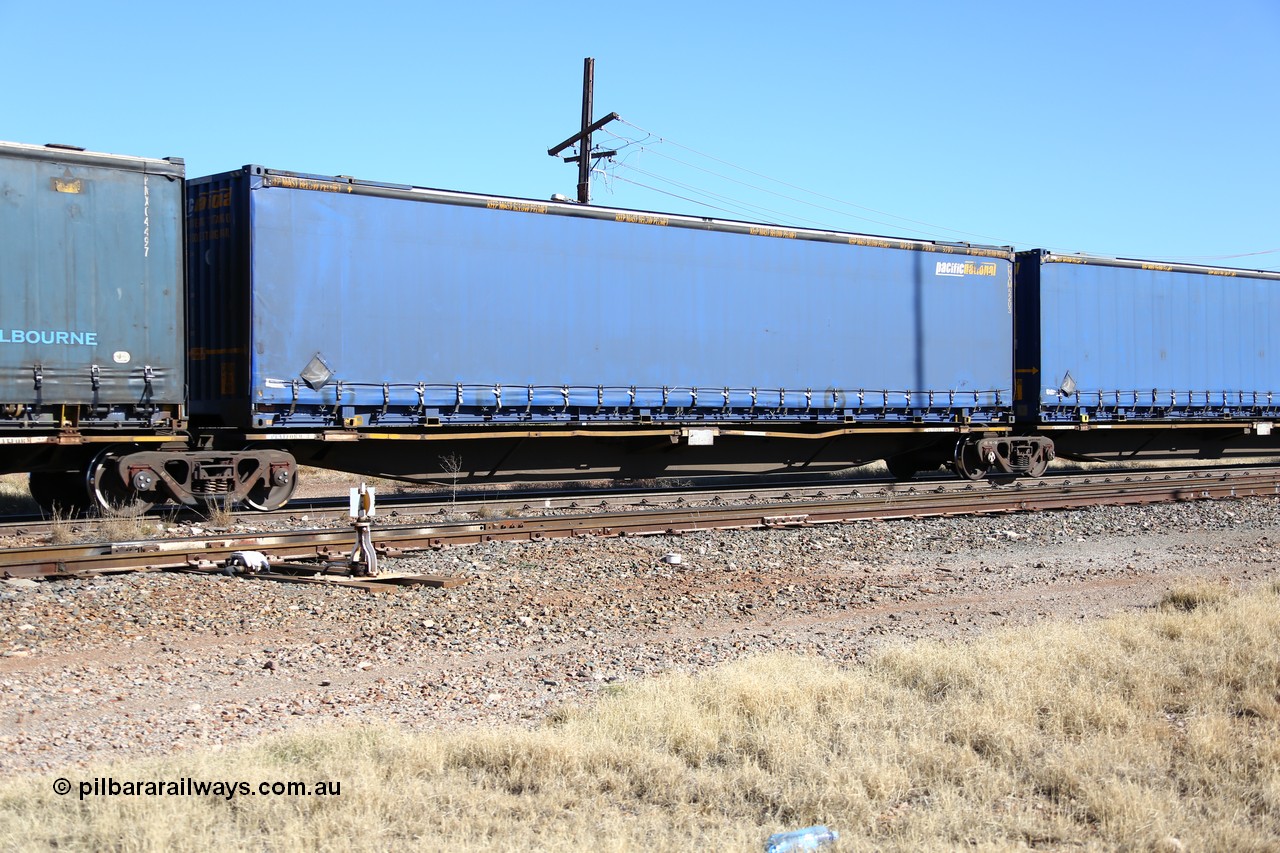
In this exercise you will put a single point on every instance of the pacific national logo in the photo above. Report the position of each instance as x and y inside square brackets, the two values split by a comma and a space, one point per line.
[959, 269]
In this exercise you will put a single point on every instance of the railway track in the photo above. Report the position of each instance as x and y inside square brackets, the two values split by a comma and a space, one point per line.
[520, 501]
[324, 551]
[508, 500]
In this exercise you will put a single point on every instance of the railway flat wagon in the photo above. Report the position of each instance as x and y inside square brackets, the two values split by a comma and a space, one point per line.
[416, 333]
[91, 311]
[1128, 358]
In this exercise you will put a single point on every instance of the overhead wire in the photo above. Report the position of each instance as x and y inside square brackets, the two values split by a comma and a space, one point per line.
[650, 141]
[672, 195]
[935, 228]
[752, 209]
[1222, 257]
[758, 188]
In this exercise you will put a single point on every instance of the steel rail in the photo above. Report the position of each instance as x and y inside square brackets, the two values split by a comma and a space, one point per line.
[773, 488]
[518, 500]
[889, 503]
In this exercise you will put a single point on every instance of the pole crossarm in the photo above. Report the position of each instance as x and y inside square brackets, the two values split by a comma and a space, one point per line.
[595, 155]
[582, 133]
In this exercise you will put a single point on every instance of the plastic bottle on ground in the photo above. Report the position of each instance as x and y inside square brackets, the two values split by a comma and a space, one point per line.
[809, 838]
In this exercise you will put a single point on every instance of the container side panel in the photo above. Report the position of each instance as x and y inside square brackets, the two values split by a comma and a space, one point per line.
[91, 298]
[392, 297]
[1157, 343]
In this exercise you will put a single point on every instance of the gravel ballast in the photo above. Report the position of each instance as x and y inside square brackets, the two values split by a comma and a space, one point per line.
[138, 664]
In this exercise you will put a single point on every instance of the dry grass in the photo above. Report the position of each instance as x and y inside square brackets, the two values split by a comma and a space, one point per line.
[219, 513]
[1060, 465]
[63, 528]
[123, 524]
[1194, 594]
[120, 525]
[1146, 732]
[15, 497]
[322, 482]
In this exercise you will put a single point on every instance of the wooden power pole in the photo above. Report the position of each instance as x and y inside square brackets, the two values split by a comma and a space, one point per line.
[585, 156]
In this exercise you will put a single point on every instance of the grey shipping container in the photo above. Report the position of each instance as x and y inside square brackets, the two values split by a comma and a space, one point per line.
[91, 291]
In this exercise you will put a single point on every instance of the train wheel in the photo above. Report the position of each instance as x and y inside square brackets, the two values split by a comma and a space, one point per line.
[109, 494]
[1038, 467]
[968, 463]
[59, 492]
[275, 493]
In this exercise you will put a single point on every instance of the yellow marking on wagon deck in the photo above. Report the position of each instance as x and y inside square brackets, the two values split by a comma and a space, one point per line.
[292, 183]
[519, 206]
[640, 218]
[879, 244]
[772, 232]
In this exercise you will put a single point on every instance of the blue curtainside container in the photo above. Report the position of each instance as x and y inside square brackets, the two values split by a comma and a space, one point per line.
[321, 301]
[1108, 340]
[91, 290]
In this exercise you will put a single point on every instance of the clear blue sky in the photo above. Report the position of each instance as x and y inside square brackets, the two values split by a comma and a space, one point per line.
[1139, 129]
